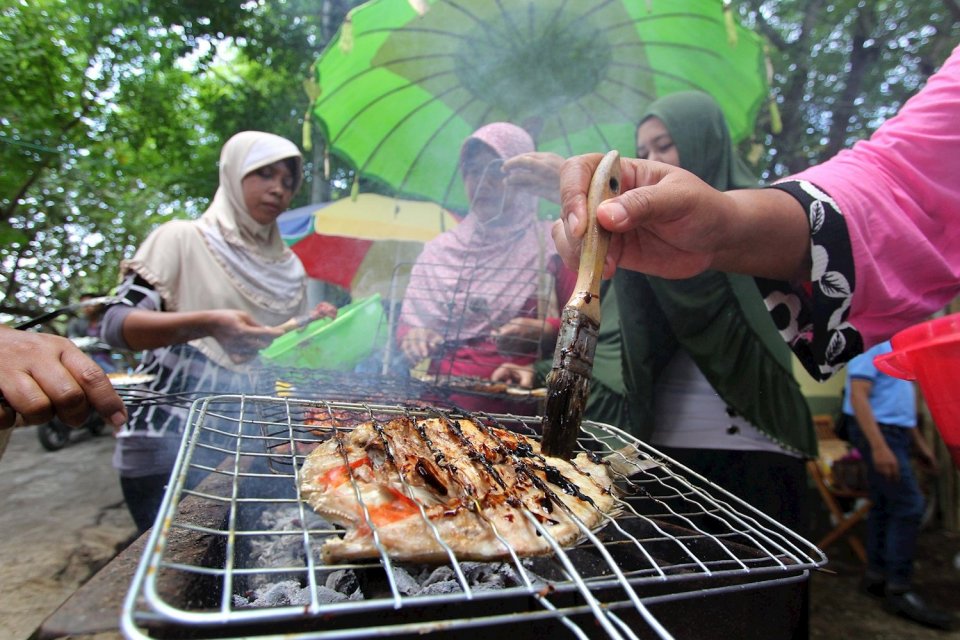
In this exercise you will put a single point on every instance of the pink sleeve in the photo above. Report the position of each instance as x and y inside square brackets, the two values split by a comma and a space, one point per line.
[899, 193]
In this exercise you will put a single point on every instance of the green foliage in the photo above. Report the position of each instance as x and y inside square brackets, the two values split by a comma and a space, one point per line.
[113, 116]
[842, 67]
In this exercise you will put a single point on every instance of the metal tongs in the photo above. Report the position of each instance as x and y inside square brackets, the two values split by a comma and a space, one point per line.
[568, 383]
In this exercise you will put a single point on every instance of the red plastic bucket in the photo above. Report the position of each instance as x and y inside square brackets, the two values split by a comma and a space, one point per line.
[930, 354]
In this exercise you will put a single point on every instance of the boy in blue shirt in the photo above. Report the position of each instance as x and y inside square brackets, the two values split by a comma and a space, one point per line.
[882, 414]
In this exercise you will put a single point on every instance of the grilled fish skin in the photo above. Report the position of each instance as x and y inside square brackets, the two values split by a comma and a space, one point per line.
[459, 481]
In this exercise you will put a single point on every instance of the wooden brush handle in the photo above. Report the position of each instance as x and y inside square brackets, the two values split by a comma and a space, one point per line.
[593, 252]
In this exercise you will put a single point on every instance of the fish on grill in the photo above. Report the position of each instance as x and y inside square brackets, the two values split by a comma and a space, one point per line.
[461, 481]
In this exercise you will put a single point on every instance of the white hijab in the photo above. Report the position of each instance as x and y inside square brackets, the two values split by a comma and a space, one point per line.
[226, 259]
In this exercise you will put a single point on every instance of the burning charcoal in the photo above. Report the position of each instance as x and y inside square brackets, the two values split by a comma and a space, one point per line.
[343, 581]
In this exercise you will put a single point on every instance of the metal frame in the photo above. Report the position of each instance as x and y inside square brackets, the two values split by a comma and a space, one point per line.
[678, 537]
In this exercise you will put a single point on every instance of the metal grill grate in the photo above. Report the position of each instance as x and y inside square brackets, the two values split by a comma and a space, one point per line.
[678, 538]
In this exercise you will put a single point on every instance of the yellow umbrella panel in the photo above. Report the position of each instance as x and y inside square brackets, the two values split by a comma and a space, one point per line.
[358, 243]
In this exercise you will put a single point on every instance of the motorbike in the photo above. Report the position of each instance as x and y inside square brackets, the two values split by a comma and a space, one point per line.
[55, 435]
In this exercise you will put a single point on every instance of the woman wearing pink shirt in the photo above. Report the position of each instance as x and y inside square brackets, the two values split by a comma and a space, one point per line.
[847, 252]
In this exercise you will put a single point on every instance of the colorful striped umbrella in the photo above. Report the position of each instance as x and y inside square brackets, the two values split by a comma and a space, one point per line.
[358, 243]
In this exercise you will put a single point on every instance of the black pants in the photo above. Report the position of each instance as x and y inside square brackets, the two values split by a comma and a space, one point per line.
[143, 496]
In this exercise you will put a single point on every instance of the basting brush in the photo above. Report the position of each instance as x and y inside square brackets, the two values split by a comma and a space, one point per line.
[568, 383]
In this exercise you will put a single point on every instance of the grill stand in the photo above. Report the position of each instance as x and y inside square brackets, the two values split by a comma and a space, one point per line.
[718, 610]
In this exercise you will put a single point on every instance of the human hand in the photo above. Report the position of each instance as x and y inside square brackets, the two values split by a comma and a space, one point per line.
[520, 335]
[665, 221]
[239, 334]
[886, 463]
[323, 310]
[515, 374]
[420, 343]
[537, 172]
[42, 376]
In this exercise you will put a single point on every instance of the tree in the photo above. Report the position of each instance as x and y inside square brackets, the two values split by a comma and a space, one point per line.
[113, 124]
[91, 106]
[842, 67]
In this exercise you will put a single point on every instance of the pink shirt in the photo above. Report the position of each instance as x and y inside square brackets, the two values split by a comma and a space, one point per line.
[899, 193]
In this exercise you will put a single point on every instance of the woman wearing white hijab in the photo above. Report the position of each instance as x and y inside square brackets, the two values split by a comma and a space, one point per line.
[202, 298]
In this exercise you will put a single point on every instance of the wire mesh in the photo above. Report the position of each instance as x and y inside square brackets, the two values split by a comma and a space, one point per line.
[240, 553]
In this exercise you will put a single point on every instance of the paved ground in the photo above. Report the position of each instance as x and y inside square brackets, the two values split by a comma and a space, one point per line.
[62, 518]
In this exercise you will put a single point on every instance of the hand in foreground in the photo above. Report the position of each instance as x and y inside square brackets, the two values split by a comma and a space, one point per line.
[664, 222]
[42, 376]
[537, 172]
[420, 343]
[516, 374]
[669, 223]
[239, 334]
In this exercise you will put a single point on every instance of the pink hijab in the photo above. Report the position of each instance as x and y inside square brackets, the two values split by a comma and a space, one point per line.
[474, 278]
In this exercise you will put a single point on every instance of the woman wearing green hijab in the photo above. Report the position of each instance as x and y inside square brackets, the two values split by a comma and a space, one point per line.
[707, 375]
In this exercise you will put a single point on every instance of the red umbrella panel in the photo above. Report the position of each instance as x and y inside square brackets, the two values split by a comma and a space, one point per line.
[359, 243]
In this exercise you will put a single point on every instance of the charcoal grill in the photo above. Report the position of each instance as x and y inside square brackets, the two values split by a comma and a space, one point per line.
[682, 552]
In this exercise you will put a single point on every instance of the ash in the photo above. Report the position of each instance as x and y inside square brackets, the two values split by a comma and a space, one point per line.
[340, 585]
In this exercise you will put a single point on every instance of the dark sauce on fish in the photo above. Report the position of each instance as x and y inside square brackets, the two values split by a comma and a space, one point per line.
[428, 476]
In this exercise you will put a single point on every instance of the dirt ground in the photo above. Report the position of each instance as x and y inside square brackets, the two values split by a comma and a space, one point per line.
[63, 518]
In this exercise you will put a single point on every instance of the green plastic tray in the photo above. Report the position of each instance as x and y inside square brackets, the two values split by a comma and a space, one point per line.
[339, 344]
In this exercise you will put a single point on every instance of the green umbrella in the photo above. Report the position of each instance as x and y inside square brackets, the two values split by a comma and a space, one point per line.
[404, 82]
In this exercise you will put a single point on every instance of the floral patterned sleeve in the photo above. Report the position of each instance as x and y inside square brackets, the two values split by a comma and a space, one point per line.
[812, 316]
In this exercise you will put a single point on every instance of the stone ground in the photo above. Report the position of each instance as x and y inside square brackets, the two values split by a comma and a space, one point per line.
[62, 518]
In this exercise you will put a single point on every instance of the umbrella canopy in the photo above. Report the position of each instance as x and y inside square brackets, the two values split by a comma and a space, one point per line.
[358, 243]
[404, 82]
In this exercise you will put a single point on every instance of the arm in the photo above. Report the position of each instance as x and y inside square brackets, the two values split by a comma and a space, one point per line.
[668, 222]
[238, 333]
[44, 375]
[418, 343]
[883, 459]
[537, 172]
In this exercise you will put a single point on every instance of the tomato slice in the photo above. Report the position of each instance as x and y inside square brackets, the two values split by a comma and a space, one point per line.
[338, 475]
[399, 508]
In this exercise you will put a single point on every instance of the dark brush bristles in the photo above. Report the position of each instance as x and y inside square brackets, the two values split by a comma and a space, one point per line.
[568, 383]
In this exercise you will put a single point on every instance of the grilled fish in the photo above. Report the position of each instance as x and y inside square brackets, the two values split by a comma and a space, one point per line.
[468, 484]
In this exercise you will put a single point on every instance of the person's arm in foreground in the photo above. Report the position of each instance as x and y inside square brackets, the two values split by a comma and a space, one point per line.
[883, 459]
[43, 375]
[236, 331]
[669, 223]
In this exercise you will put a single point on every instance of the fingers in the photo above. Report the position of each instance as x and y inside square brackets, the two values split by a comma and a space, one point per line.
[515, 374]
[419, 344]
[537, 172]
[324, 310]
[242, 336]
[44, 375]
[99, 392]
[575, 176]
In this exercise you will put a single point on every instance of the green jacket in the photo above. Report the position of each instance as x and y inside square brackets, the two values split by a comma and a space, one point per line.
[721, 321]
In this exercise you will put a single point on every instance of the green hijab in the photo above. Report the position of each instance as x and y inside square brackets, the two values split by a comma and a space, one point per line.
[719, 319]
[700, 132]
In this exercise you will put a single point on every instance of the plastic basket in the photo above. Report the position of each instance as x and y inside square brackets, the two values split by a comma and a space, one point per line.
[338, 344]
